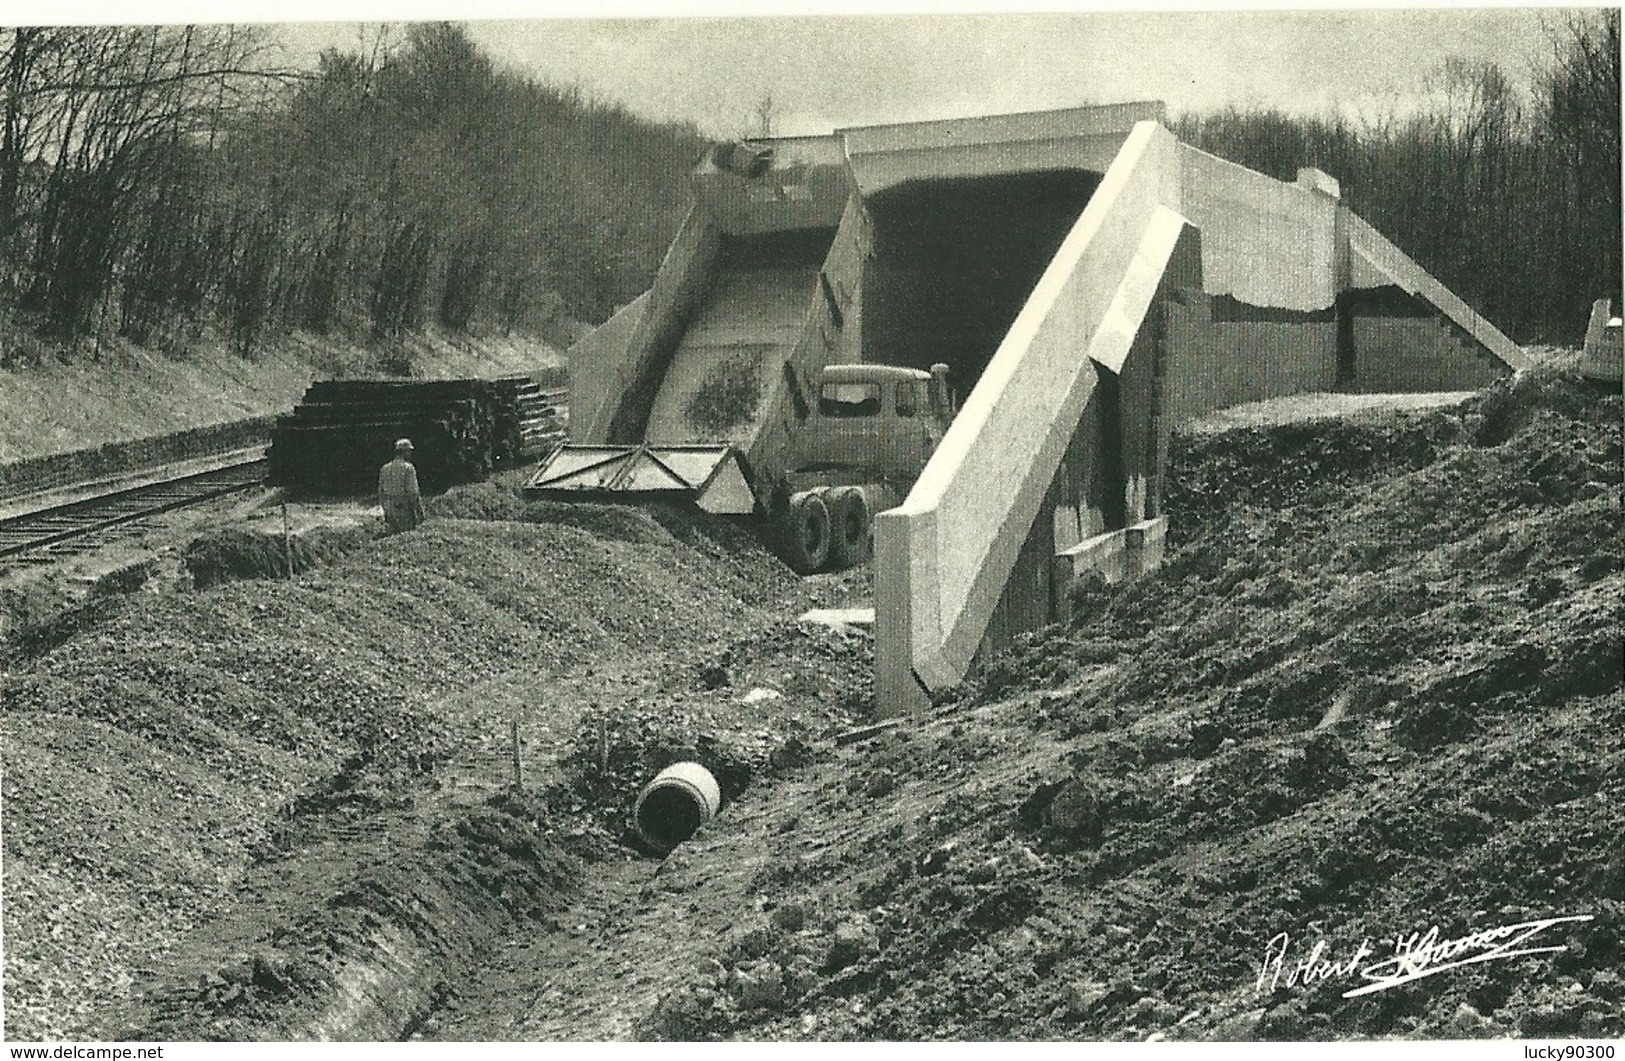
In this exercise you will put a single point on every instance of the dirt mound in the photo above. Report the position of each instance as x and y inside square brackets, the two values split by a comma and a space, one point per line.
[732, 544]
[1376, 691]
[746, 711]
[234, 553]
[204, 776]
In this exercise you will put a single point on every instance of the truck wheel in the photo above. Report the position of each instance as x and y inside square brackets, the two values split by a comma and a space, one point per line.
[849, 527]
[806, 533]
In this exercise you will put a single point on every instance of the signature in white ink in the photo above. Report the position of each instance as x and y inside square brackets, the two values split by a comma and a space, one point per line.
[1414, 957]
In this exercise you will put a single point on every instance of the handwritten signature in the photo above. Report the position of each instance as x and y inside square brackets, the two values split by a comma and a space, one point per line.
[1414, 957]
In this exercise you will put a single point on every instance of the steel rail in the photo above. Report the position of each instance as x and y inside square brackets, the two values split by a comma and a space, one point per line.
[76, 519]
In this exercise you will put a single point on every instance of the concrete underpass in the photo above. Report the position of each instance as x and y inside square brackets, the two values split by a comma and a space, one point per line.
[954, 260]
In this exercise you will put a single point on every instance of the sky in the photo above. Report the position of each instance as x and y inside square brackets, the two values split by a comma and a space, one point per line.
[828, 71]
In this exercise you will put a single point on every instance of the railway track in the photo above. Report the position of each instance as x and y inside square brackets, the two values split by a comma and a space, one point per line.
[56, 533]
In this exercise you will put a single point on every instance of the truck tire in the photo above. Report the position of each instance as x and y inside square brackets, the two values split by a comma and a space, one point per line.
[806, 533]
[849, 527]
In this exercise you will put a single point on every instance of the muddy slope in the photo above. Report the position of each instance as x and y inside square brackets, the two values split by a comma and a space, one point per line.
[1377, 689]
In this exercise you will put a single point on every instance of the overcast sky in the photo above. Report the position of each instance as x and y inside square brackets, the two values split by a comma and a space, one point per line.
[825, 72]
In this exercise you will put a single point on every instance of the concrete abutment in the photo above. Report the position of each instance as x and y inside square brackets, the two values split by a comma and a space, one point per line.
[1092, 282]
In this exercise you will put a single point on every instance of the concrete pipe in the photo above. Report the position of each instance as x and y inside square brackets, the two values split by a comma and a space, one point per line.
[672, 807]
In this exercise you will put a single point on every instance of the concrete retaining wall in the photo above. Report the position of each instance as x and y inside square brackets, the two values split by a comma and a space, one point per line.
[1227, 362]
[943, 558]
[1401, 354]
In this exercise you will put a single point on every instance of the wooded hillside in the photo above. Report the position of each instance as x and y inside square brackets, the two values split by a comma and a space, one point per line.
[162, 184]
[157, 182]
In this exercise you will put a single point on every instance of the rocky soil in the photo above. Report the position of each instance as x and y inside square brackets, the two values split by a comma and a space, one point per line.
[1375, 692]
[219, 802]
[1376, 689]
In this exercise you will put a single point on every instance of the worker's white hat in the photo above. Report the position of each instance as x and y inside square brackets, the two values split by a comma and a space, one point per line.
[403, 445]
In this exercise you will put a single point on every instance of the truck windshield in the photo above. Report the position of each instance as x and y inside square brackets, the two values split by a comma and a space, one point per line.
[849, 399]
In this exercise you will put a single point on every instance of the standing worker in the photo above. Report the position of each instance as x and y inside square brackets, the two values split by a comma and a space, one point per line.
[398, 491]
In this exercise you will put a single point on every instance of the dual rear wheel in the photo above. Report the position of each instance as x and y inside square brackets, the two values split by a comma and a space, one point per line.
[826, 529]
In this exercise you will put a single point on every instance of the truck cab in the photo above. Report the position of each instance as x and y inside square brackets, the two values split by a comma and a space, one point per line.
[858, 439]
[867, 422]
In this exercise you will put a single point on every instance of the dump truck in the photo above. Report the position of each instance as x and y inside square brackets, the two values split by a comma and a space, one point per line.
[855, 438]
[751, 378]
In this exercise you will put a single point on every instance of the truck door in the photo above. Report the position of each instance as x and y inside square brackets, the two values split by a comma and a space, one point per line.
[851, 419]
[908, 430]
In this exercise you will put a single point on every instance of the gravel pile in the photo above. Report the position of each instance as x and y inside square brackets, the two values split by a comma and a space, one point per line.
[193, 745]
[234, 553]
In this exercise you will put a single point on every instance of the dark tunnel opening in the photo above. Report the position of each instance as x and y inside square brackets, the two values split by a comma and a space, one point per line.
[954, 262]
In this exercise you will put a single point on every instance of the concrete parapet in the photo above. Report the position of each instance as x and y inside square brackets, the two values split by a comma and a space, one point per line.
[1264, 242]
[943, 557]
[882, 156]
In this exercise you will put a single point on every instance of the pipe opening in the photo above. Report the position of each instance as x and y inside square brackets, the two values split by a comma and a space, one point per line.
[669, 815]
[672, 807]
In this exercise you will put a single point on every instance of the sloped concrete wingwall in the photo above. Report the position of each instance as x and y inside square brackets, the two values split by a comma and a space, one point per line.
[1110, 476]
[597, 365]
[1375, 262]
[1406, 331]
[944, 557]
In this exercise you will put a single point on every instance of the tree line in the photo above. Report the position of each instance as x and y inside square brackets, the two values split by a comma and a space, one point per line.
[163, 183]
[160, 183]
[1510, 198]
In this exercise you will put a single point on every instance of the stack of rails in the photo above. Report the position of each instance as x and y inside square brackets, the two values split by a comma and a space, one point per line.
[342, 432]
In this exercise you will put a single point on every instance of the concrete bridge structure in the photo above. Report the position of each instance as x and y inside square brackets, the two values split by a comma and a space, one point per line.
[1090, 281]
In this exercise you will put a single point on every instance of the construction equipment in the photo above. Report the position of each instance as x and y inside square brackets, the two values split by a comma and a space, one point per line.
[852, 445]
[745, 378]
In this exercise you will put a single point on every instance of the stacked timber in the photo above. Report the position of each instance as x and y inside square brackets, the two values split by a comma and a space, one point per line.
[528, 420]
[343, 431]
